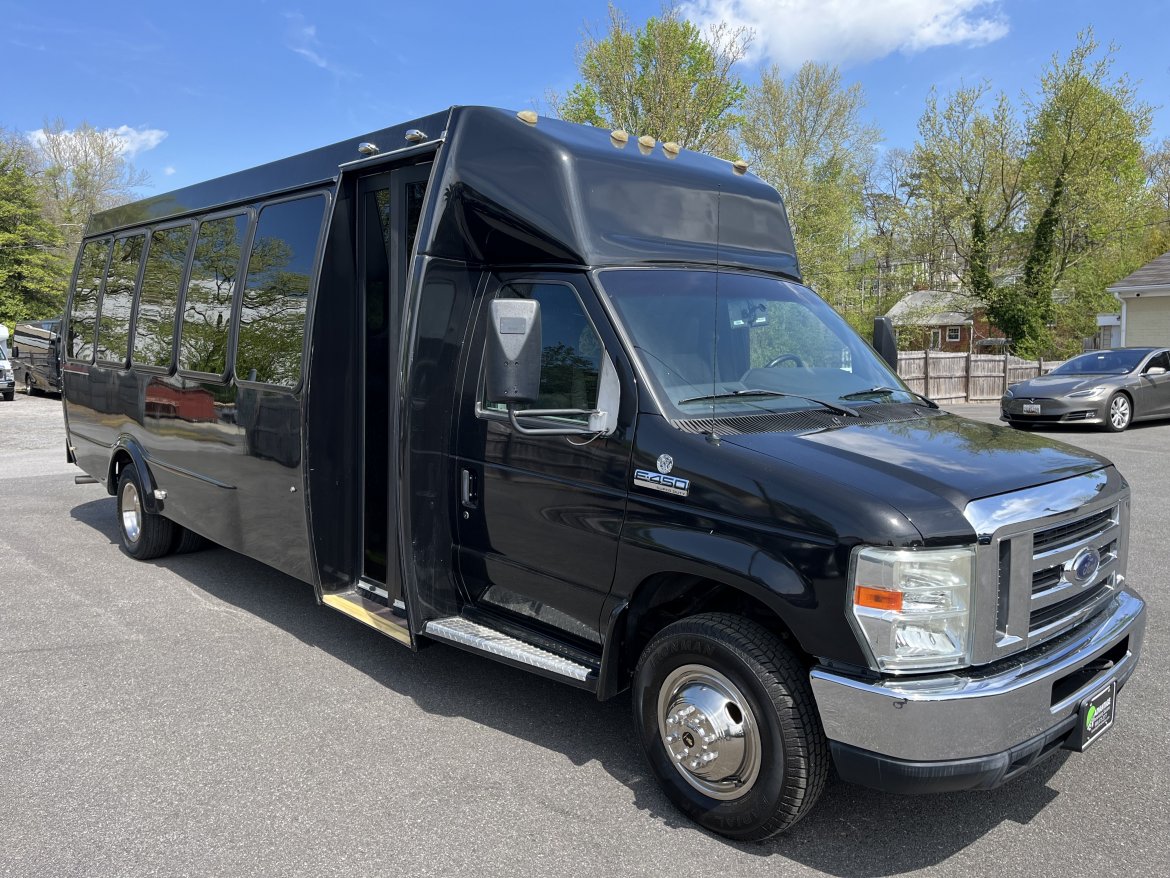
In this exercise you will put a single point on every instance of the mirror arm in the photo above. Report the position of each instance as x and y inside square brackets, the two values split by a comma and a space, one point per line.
[549, 413]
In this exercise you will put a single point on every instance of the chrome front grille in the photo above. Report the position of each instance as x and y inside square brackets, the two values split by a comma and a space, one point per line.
[1047, 559]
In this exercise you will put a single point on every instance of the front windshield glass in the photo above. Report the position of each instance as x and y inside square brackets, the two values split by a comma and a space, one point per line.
[724, 343]
[1101, 363]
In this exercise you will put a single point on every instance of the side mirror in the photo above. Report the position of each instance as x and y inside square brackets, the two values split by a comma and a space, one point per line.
[885, 342]
[1156, 370]
[512, 369]
[513, 352]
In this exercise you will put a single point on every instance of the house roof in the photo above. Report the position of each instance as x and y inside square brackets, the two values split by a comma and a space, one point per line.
[932, 308]
[1155, 273]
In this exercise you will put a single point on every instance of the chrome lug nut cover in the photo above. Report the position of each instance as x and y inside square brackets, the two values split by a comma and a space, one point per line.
[709, 731]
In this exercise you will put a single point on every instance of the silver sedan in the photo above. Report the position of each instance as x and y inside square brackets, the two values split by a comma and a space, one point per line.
[1113, 388]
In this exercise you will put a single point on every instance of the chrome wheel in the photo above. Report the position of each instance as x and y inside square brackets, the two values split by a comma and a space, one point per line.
[709, 731]
[131, 508]
[1119, 412]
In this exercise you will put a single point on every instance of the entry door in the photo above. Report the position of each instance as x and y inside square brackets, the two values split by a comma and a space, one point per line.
[540, 516]
[389, 206]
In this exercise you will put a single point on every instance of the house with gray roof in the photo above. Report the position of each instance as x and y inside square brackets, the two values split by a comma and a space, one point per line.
[945, 320]
[1145, 306]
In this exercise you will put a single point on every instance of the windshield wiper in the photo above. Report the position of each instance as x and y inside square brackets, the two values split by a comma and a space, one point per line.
[732, 394]
[875, 390]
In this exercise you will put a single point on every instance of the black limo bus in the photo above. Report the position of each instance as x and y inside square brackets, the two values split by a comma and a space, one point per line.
[558, 396]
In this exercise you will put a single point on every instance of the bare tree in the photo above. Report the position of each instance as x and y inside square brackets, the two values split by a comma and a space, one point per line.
[82, 170]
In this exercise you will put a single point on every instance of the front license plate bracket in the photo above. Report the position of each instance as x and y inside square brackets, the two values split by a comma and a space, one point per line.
[1095, 717]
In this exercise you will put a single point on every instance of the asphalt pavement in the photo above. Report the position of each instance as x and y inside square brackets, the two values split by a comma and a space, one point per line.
[200, 715]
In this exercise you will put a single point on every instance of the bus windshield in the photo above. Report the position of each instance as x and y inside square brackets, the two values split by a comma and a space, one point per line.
[725, 343]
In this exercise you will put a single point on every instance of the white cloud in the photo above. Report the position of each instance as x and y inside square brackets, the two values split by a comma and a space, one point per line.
[130, 141]
[136, 140]
[790, 32]
[169, 170]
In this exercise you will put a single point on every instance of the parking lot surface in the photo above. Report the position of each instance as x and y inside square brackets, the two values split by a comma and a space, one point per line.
[201, 715]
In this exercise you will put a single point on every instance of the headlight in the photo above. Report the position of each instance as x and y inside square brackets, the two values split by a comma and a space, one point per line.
[1007, 394]
[7, 374]
[1095, 393]
[912, 608]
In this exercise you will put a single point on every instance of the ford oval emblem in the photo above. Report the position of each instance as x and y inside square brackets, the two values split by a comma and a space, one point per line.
[665, 463]
[1085, 565]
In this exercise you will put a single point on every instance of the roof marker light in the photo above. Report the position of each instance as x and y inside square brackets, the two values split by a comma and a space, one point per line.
[671, 149]
[367, 148]
[646, 144]
[619, 137]
[415, 136]
[528, 116]
[739, 166]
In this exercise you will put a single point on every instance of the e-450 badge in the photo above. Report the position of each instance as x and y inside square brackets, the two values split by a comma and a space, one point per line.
[644, 478]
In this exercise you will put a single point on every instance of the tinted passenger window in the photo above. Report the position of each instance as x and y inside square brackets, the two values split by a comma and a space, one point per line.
[207, 315]
[571, 359]
[1160, 360]
[83, 314]
[276, 292]
[118, 299]
[155, 330]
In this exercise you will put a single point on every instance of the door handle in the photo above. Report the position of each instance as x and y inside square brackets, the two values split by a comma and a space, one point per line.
[468, 488]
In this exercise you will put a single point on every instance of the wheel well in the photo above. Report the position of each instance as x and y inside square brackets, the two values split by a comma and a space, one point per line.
[666, 598]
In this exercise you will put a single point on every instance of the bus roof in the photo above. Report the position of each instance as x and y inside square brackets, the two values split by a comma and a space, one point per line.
[511, 191]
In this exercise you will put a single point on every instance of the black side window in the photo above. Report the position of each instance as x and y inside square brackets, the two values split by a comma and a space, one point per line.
[83, 313]
[161, 281]
[207, 315]
[1162, 359]
[118, 299]
[276, 292]
[571, 358]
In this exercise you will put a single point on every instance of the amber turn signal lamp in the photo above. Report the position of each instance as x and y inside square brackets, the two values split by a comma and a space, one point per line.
[877, 598]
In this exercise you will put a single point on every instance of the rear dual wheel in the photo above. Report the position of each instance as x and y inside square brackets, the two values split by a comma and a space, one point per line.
[726, 717]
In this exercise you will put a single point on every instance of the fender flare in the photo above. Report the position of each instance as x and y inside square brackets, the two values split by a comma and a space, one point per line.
[130, 446]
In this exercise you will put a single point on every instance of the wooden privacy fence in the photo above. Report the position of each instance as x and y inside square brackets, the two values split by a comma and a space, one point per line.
[959, 377]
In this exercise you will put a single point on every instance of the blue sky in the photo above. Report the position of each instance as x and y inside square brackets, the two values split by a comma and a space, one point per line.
[205, 88]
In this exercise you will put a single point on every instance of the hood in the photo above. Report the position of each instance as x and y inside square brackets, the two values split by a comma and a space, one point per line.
[1059, 385]
[946, 456]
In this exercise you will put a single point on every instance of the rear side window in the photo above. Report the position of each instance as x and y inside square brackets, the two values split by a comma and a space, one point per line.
[118, 299]
[207, 314]
[83, 313]
[276, 292]
[162, 279]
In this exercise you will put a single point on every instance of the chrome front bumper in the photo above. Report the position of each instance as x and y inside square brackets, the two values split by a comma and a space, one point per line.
[952, 718]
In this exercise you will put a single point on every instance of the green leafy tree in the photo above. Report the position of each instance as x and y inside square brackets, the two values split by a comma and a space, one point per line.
[967, 164]
[32, 271]
[1086, 191]
[805, 136]
[667, 79]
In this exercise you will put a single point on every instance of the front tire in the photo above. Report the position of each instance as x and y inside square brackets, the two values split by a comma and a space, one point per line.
[1118, 413]
[727, 720]
[145, 535]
